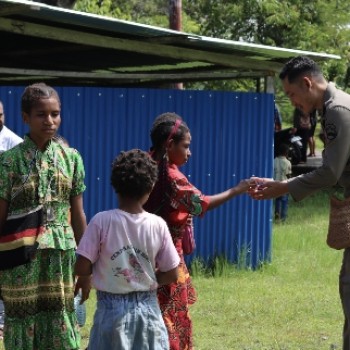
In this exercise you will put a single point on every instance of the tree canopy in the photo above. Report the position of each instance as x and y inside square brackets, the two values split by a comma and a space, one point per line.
[311, 25]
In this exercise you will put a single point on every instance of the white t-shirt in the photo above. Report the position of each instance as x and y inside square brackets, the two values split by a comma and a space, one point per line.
[282, 168]
[8, 139]
[125, 249]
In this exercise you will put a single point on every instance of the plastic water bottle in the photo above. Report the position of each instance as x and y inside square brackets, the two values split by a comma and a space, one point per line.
[80, 310]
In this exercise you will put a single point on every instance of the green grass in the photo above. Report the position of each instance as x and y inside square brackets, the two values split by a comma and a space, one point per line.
[291, 303]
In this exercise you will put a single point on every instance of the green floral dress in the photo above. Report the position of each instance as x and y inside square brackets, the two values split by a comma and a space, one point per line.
[38, 296]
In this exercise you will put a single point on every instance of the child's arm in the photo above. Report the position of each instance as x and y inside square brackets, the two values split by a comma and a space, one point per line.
[83, 270]
[167, 277]
[220, 198]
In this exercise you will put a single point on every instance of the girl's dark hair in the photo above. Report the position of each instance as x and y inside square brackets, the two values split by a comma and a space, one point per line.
[163, 126]
[134, 173]
[33, 93]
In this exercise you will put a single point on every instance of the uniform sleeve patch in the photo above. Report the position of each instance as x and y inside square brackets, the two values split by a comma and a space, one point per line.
[331, 131]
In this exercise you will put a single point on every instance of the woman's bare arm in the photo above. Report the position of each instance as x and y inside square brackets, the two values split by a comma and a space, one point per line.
[78, 218]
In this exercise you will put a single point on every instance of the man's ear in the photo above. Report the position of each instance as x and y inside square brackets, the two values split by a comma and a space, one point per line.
[308, 82]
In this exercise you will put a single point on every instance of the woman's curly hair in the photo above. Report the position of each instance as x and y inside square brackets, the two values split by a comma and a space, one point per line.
[134, 173]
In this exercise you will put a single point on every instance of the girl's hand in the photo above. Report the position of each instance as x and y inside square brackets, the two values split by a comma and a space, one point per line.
[257, 184]
[243, 186]
[268, 189]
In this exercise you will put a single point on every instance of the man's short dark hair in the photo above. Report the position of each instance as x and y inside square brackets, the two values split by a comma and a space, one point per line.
[297, 66]
[134, 173]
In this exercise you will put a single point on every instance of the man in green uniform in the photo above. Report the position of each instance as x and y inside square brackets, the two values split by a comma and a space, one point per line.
[308, 90]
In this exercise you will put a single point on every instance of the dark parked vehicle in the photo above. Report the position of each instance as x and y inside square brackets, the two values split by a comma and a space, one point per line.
[294, 142]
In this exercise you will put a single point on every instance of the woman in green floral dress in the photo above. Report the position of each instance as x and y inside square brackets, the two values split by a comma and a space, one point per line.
[39, 172]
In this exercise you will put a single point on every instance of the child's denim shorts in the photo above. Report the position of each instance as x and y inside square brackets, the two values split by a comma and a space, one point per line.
[128, 322]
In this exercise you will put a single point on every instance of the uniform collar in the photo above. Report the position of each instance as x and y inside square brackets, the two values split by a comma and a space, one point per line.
[328, 97]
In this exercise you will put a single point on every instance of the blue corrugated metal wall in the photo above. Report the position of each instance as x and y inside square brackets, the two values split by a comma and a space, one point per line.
[232, 138]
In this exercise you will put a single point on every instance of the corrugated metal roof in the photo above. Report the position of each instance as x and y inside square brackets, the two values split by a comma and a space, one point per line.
[68, 47]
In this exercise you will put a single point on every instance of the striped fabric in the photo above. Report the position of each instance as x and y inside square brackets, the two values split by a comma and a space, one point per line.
[18, 238]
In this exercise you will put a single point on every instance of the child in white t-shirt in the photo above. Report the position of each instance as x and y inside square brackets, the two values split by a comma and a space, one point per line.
[126, 253]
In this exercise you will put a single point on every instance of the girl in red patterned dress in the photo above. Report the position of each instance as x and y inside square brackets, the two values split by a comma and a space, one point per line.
[176, 200]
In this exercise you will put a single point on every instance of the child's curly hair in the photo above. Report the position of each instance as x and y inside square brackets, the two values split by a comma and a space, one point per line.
[134, 173]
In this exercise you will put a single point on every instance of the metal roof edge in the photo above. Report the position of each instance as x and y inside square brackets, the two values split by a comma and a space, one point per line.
[74, 17]
[276, 49]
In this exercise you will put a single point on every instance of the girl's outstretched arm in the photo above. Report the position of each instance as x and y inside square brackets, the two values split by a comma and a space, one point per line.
[218, 199]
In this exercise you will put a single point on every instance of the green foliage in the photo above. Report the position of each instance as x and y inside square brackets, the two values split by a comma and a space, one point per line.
[151, 12]
[103, 8]
[297, 24]
[220, 266]
[198, 267]
[242, 85]
[318, 25]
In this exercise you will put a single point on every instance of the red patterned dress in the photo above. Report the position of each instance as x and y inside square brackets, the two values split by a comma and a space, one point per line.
[176, 204]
